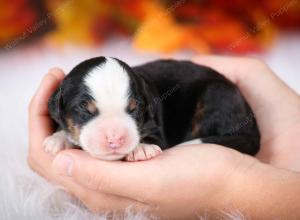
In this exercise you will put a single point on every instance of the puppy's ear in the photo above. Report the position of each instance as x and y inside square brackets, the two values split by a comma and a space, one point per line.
[55, 105]
[151, 106]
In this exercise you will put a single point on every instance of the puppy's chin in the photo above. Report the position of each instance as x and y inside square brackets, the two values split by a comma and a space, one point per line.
[104, 155]
[109, 156]
[117, 154]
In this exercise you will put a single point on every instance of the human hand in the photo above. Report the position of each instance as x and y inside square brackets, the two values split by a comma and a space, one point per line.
[275, 106]
[40, 123]
[156, 185]
[182, 183]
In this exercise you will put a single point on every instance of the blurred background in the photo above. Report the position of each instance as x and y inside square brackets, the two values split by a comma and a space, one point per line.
[36, 35]
[201, 26]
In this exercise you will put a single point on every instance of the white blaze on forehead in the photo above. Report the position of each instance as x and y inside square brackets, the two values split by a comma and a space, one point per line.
[109, 86]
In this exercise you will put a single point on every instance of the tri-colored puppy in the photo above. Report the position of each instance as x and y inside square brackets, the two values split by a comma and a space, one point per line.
[114, 111]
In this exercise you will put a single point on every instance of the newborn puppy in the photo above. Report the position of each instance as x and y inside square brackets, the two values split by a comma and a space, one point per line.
[114, 111]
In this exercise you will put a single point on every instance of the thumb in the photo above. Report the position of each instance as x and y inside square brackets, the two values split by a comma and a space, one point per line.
[112, 177]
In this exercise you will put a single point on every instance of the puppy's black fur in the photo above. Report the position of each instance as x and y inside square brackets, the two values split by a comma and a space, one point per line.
[177, 101]
[197, 102]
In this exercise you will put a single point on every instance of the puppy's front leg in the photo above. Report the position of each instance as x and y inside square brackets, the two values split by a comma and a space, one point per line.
[144, 152]
[57, 142]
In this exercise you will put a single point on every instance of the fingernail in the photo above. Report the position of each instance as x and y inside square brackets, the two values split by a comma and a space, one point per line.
[62, 164]
[54, 69]
[53, 72]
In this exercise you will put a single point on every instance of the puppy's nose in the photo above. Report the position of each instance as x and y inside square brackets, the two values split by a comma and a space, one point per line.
[115, 141]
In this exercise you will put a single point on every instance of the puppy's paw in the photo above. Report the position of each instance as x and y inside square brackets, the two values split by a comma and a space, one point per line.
[144, 152]
[56, 142]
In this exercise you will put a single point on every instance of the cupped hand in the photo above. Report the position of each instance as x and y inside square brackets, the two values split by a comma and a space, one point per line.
[163, 186]
[275, 106]
[40, 123]
[181, 183]
[184, 180]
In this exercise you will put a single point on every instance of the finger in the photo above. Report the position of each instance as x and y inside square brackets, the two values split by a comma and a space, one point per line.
[131, 180]
[234, 68]
[50, 82]
[40, 124]
[247, 73]
[228, 66]
[97, 201]
[39, 121]
[263, 90]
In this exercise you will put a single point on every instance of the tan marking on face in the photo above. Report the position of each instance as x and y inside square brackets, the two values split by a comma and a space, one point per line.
[91, 107]
[197, 119]
[132, 104]
[74, 129]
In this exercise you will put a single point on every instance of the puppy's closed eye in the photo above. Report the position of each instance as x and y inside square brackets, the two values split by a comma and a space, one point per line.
[85, 111]
[87, 106]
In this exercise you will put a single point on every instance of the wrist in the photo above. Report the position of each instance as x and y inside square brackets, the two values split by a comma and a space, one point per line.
[225, 183]
[260, 191]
